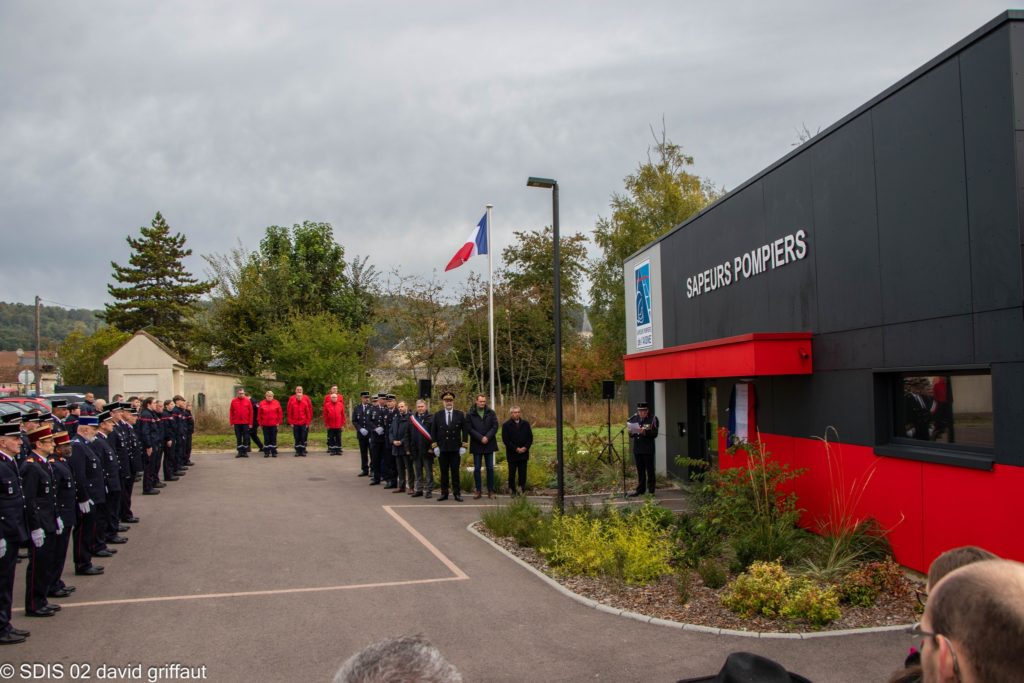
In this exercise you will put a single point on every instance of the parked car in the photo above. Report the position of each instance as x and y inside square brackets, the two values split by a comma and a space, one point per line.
[70, 398]
[6, 408]
[28, 401]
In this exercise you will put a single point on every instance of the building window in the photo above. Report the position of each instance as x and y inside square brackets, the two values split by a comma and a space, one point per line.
[946, 410]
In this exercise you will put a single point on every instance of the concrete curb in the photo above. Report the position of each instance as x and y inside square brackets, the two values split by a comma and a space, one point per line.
[601, 607]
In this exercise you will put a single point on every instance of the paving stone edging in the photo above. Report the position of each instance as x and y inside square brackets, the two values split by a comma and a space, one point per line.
[601, 607]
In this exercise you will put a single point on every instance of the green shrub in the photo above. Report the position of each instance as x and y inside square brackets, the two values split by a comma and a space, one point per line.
[834, 555]
[858, 589]
[712, 573]
[767, 538]
[810, 602]
[521, 520]
[762, 589]
[632, 548]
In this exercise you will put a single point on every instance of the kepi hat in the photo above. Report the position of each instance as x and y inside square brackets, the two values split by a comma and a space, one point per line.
[744, 667]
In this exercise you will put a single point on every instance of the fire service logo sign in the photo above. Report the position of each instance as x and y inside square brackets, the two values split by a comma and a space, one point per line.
[644, 322]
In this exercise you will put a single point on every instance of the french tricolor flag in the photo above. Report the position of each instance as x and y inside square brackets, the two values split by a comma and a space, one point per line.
[475, 244]
[742, 413]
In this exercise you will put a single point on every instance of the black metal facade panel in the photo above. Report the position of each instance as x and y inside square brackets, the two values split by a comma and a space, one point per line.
[998, 336]
[805, 406]
[922, 200]
[1008, 397]
[788, 207]
[844, 241]
[1016, 30]
[987, 101]
[937, 342]
[853, 349]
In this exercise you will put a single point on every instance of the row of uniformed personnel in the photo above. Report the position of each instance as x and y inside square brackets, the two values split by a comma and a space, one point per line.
[59, 486]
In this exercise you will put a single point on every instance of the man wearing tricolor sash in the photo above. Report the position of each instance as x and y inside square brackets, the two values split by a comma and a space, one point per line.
[421, 452]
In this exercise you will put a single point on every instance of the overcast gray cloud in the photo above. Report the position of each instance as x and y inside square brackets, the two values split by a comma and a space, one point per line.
[397, 121]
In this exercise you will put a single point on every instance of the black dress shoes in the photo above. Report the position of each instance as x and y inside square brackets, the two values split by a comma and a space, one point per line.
[60, 593]
[131, 520]
[94, 570]
[117, 540]
[159, 485]
[417, 494]
[634, 494]
[443, 496]
[44, 612]
[121, 528]
[172, 478]
[103, 553]
[458, 497]
[10, 638]
[20, 632]
[151, 492]
[363, 474]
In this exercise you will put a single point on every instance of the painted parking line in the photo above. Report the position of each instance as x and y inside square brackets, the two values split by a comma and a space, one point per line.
[457, 575]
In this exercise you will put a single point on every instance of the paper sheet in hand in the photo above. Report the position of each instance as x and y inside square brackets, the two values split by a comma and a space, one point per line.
[633, 427]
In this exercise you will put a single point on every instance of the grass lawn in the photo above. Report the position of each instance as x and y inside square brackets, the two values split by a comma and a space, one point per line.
[543, 444]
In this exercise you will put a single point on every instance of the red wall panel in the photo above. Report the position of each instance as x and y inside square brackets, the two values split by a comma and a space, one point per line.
[927, 508]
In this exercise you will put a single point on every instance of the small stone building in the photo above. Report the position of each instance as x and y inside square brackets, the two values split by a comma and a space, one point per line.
[144, 366]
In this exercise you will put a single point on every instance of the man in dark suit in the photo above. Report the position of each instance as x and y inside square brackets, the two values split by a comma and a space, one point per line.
[448, 430]
[12, 524]
[482, 424]
[517, 436]
[643, 430]
[361, 422]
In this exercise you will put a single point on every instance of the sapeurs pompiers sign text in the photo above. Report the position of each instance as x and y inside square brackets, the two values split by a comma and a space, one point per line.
[786, 249]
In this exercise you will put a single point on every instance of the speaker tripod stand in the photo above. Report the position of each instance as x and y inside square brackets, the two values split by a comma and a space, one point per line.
[608, 453]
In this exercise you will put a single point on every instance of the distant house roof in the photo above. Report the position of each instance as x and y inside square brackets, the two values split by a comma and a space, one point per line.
[153, 340]
[28, 359]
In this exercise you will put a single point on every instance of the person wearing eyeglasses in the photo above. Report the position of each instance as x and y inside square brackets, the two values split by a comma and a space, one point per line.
[972, 629]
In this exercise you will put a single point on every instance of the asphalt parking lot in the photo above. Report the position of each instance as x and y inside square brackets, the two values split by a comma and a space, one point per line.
[279, 569]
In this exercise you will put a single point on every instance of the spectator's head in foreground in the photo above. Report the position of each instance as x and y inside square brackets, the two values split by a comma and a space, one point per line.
[973, 625]
[406, 658]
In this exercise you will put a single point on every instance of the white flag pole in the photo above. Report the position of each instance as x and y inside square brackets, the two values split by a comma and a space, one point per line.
[490, 303]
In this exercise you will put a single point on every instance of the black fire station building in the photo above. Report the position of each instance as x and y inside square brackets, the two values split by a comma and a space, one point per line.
[870, 282]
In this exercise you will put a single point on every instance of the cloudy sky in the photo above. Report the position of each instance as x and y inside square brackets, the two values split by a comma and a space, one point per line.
[398, 121]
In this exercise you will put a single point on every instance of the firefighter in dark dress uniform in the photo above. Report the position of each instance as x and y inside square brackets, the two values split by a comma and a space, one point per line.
[388, 466]
[90, 495]
[12, 524]
[361, 422]
[110, 512]
[450, 434]
[378, 437]
[642, 435]
[42, 521]
[67, 507]
[153, 442]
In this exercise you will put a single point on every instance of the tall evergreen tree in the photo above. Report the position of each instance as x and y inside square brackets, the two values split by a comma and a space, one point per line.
[156, 292]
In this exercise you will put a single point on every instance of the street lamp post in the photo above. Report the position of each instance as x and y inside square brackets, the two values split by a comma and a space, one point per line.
[550, 183]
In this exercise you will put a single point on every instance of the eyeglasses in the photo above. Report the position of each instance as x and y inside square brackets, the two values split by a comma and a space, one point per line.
[919, 633]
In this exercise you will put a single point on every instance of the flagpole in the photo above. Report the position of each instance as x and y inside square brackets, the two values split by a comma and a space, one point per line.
[490, 303]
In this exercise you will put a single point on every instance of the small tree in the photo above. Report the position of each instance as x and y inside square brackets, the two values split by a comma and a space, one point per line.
[317, 351]
[80, 356]
[659, 195]
[156, 292]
